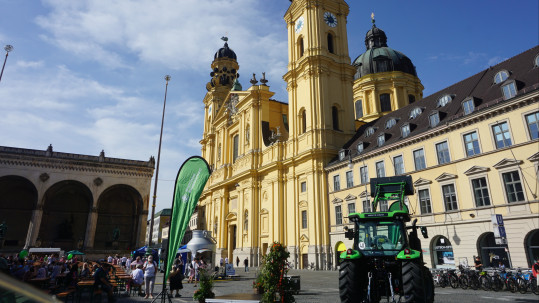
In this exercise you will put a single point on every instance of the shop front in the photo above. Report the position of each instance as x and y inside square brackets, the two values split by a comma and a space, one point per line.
[442, 253]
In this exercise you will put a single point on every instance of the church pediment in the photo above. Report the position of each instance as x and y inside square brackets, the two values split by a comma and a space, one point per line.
[507, 163]
[350, 197]
[231, 216]
[421, 181]
[476, 170]
[336, 200]
[534, 157]
[304, 238]
[445, 177]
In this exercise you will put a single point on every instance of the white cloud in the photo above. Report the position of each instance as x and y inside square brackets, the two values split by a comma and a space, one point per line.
[29, 64]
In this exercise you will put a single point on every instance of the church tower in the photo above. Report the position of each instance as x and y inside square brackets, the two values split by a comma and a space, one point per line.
[319, 77]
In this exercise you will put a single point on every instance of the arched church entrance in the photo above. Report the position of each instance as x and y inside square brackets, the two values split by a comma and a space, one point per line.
[442, 252]
[65, 215]
[18, 198]
[531, 244]
[491, 253]
[118, 210]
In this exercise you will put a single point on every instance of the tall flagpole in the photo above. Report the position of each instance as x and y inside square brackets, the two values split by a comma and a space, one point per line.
[7, 48]
[150, 233]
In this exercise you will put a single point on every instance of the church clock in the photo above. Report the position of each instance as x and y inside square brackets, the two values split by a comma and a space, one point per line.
[330, 19]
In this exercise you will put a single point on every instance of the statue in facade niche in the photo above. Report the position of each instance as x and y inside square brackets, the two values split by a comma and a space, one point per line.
[116, 234]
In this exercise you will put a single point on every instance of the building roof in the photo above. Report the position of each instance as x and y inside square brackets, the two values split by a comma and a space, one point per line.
[225, 52]
[521, 69]
[163, 212]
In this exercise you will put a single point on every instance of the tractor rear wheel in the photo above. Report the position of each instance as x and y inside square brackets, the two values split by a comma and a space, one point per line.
[352, 282]
[417, 286]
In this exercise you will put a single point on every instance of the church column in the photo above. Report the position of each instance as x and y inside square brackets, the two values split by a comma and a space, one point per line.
[141, 228]
[33, 228]
[91, 227]
[375, 102]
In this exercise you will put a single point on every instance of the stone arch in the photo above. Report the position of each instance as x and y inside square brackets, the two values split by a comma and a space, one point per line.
[66, 205]
[441, 251]
[118, 211]
[531, 245]
[18, 199]
[490, 252]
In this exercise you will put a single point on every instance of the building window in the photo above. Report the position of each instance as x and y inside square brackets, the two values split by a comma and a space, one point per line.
[390, 123]
[419, 159]
[303, 219]
[468, 106]
[342, 154]
[471, 142]
[411, 99]
[338, 215]
[398, 165]
[364, 175]
[405, 130]
[330, 43]
[303, 187]
[501, 135]
[351, 208]
[434, 119]
[349, 179]
[335, 116]
[501, 76]
[385, 103]
[360, 147]
[300, 45]
[442, 151]
[480, 192]
[369, 131]
[415, 112]
[513, 186]
[236, 146]
[359, 109]
[381, 139]
[536, 61]
[450, 198]
[532, 120]
[384, 205]
[367, 206]
[380, 169]
[303, 121]
[336, 183]
[442, 101]
[509, 90]
[424, 201]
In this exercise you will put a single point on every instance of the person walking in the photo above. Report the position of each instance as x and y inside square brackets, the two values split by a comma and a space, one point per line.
[150, 268]
[535, 270]
[237, 261]
[175, 277]
[246, 263]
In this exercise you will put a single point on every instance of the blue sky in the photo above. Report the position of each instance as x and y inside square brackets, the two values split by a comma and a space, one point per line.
[87, 75]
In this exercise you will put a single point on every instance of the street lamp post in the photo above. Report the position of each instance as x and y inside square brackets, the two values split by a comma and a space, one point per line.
[167, 78]
[7, 48]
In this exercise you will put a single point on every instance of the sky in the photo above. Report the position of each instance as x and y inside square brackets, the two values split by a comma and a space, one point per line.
[88, 75]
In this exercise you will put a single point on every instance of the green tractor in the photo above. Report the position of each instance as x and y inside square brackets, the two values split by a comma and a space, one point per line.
[386, 259]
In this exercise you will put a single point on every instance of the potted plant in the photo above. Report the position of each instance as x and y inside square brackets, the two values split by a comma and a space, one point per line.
[205, 286]
[272, 276]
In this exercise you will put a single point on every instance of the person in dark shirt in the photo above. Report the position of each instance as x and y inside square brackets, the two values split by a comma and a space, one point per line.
[478, 264]
[102, 281]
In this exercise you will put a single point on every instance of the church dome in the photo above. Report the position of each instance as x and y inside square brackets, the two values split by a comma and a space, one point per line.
[380, 58]
[225, 52]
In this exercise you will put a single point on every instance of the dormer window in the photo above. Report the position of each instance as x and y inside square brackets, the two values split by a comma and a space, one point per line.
[360, 147]
[415, 112]
[369, 131]
[442, 101]
[536, 61]
[434, 119]
[509, 90]
[468, 106]
[501, 76]
[381, 139]
[405, 130]
[390, 123]
[342, 154]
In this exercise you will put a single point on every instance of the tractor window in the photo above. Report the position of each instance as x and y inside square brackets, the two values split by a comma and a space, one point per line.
[380, 238]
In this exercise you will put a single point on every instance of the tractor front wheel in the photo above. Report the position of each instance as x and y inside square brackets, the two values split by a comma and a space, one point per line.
[417, 285]
[351, 282]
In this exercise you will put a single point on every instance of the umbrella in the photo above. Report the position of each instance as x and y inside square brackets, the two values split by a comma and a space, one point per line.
[183, 249]
[74, 252]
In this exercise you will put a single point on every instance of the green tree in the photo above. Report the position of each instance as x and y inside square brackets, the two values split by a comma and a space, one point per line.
[272, 276]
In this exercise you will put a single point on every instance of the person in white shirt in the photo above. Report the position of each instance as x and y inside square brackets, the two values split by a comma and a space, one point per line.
[150, 268]
[137, 278]
[128, 263]
[109, 259]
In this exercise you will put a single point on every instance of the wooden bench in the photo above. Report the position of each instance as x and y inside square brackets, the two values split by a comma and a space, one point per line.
[66, 295]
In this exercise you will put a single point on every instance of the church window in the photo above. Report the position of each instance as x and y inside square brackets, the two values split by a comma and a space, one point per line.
[359, 109]
[330, 43]
[303, 219]
[303, 121]
[300, 47]
[501, 76]
[236, 146]
[405, 130]
[415, 112]
[335, 116]
[411, 99]
[468, 106]
[509, 90]
[303, 187]
[443, 100]
[385, 103]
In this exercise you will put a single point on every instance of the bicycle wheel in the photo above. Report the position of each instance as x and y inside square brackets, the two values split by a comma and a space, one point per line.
[463, 281]
[512, 285]
[533, 286]
[485, 283]
[522, 286]
[454, 281]
[497, 284]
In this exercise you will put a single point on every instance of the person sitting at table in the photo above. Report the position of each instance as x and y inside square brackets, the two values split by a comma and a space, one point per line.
[137, 278]
[101, 280]
[41, 272]
[85, 271]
